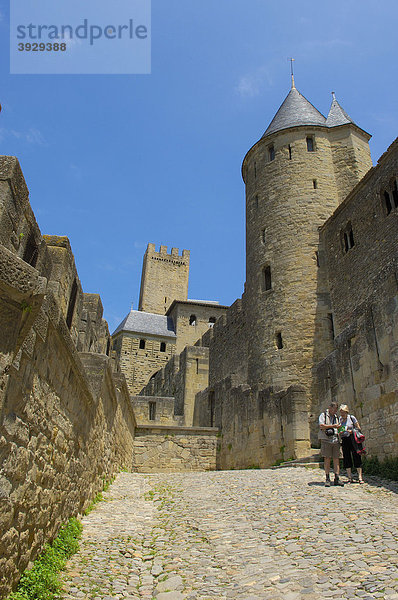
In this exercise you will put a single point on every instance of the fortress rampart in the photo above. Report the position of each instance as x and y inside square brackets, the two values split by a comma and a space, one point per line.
[66, 421]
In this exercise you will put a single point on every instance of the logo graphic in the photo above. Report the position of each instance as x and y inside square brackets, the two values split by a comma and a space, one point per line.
[90, 37]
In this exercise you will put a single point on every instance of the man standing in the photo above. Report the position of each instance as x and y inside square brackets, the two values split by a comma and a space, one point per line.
[330, 446]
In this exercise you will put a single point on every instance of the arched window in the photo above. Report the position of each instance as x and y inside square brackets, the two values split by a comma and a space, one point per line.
[192, 320]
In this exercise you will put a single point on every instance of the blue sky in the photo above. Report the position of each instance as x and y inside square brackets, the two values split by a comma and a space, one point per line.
[115, 162]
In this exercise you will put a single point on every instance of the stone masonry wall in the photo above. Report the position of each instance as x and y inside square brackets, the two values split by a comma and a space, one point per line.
[139, 364]
[183, 377]
[66, 421]
[258, 427]
[161, 414]
[363, 371]
[169, 449]
[363, 279]
[227, 344]
[188, 334]
[353, 274]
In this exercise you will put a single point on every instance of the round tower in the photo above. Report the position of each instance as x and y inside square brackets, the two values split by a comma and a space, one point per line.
[295, 177]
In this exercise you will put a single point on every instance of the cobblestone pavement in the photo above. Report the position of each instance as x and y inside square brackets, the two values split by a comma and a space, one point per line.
[255, 534]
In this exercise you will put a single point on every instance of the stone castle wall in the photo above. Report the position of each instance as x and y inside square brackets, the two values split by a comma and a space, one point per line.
[258, 427]
[139, 364]
[155, 410]
[182, 378]
[66, 421]
[362, 370]
[205, 316]
[169, 449]
[354, 274]
[164, 279]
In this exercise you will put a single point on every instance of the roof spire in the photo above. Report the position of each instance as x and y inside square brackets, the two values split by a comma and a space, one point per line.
[337, 115]
[291, 72]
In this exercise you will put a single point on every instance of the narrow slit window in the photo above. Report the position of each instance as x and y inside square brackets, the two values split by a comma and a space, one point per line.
[387, 201]
[279, 341]
[315, 184]
[310, 144]
[331, 326]
[255, 169]
[348, 238]
[162, 347]
[152, 411]
[197, 366]
[263, 236]
[71, 305]
[271, 153]
[395, 193]
[267, 282]
[142, 344]
[290, 151]
[211, 408]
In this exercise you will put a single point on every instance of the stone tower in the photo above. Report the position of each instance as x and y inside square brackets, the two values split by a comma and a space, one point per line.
[296, 174]
[164, 279]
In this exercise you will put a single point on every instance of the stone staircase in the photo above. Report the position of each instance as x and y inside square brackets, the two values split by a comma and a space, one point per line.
[314, 461]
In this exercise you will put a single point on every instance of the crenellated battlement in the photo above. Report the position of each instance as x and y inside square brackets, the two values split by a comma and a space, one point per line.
[162, 253]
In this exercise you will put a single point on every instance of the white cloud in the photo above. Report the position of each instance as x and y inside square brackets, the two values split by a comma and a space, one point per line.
[31, 136]
[248, 87]
[251, 84]
[34, 136]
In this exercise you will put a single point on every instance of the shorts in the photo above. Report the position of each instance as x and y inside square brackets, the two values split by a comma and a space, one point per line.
[329, 450]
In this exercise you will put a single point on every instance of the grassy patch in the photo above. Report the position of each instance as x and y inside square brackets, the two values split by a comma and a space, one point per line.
[387, 468]
[41, 581]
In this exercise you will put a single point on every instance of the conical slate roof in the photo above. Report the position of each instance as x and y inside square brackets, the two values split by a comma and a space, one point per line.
[295, 110]
[337, 115]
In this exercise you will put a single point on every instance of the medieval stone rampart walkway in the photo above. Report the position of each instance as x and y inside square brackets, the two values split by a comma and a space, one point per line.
[237, 534]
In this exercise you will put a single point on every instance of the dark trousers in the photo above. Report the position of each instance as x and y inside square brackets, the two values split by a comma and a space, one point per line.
[350, 455]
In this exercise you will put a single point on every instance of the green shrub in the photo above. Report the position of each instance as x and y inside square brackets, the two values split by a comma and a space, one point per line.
[387, 468]
[41, 581]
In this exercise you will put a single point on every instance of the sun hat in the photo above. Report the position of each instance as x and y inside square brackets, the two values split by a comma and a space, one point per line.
[344, 408]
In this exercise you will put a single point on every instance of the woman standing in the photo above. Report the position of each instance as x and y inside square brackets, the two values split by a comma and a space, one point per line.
[350, 456]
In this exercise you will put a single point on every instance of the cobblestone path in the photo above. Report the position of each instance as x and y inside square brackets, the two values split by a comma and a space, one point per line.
[255, 534]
